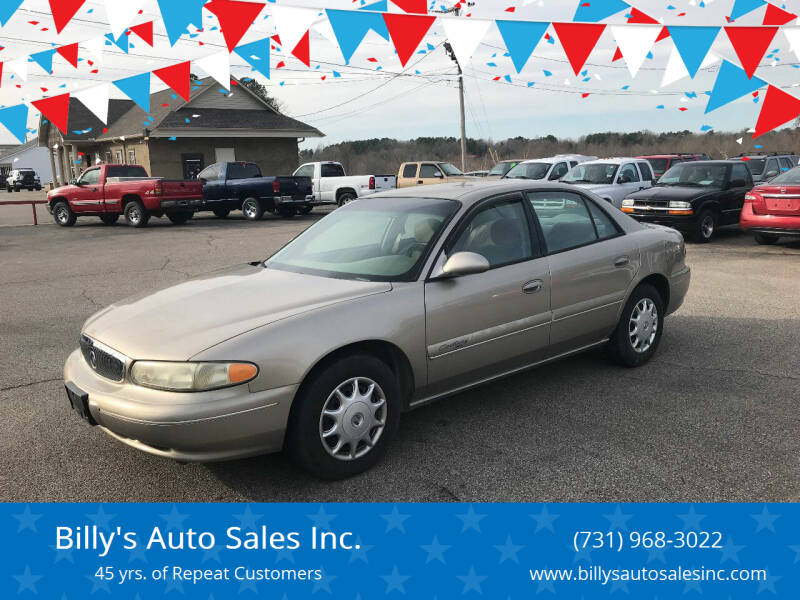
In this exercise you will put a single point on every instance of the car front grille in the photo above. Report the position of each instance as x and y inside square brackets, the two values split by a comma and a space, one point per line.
[102, 360]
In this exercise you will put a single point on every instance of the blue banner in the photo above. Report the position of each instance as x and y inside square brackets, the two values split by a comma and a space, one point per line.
[426, 551]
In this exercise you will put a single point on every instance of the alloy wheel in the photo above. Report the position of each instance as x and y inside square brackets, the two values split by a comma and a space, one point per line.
[643, 325]
[62, 215]
[353, 418]
[249, 209]
[707, 226]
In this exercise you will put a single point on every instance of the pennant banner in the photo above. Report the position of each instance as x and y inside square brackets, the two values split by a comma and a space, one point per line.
[521, 39]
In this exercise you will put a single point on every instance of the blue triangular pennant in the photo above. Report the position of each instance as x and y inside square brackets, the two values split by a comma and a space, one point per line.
[256, 54]
[380, 25]
[44, 59]
[15, 119]
[178, 14]
[137, 88]
[380, 6]
[7, 10]
[732, 83]
[693, 44]
[122, 42]
[350, 27]
[597, 10]
[521, 38]
[742, 7]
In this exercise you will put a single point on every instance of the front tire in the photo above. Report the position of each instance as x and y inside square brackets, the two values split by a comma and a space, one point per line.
[640, 326]
[705, 228]
[63, 215]
[344, 417]
[766, 239]
[221, 213]
[179, 218]
[252, 209]
[109, 219]
[287, 212]
[136, 215]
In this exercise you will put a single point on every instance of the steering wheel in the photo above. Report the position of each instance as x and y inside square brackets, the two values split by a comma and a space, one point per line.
[413, 247]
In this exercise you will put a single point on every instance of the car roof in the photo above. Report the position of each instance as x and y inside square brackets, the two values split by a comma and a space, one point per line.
[617, 160]
[470, 192]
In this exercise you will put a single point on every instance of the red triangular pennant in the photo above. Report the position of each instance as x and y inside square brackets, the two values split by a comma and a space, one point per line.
[145, 32]
[407, 32]
[778, 108]
[235, 18]
[178, 77]
[69, 53]
[578, 41]
[617, 55]
[777, 16]
[419, 7]
[751, 44]
[63, 11]
[303, 51]
[55, 110]
[277, 39]
[640, 18]
[664, 34]
[1, 74]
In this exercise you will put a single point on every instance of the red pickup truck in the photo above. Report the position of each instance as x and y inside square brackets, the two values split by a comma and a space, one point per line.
[108, 191]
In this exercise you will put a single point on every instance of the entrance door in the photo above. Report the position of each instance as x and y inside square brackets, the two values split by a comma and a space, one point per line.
[192, 165]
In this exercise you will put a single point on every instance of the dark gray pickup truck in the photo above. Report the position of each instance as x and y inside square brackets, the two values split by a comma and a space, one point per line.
[231, 186]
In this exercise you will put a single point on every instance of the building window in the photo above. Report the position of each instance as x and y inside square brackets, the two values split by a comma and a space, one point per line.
[131, 157]
[119, 157]
[108, 157]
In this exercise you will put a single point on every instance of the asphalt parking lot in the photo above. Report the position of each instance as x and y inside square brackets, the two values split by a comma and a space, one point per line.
[712, 418]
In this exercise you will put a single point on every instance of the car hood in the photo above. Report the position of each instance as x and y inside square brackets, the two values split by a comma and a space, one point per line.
[677, 192]
[179, 321]
[597, 188]
[59, 191]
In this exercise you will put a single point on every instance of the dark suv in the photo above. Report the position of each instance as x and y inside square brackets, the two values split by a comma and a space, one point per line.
[694, 197]
[23, 179]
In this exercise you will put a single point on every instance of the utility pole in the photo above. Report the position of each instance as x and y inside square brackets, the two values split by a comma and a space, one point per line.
[456, 10]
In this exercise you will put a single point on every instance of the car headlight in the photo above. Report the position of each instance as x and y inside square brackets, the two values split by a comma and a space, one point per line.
[679, 204]
[191, 376]
[628, 202]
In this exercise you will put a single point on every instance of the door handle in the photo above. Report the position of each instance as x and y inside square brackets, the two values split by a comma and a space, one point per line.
[622, 261]
[420, 181]
[95, 190]
[532, 286]
[642, 188]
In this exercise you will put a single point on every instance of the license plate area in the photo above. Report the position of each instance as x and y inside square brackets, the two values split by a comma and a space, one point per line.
[783, 205]
[79, 400]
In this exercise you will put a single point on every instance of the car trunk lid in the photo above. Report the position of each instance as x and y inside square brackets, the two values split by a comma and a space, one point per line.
[778, 200]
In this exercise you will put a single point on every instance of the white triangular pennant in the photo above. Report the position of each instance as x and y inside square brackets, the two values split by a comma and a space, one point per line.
[19, 66]
[292, 22]
[793, 35]
[464, 36]
[325, 30]
[676, 70]
[635, 42]
[95, 48]
[121, 13]
[218, 66]
[96, 100]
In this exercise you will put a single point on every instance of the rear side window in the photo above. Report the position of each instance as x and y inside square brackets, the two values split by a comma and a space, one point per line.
[647, 172]
[603, 223]
[243, 170]
[564, 218]
[126, 171]
[772, 166]
[331, 170]
[786, 164]
[410, 171]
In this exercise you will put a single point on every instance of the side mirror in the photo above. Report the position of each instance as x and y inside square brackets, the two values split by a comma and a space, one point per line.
[771, 174]
[73, 182]
[464, 263]
[438, 175]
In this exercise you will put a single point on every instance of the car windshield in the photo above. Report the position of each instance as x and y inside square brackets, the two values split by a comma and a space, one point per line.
[695, 175]
[592, 173]
[791, 177]
[449, 169]
[537, 170]
[502, 168]
[378, 239]
[756, 165]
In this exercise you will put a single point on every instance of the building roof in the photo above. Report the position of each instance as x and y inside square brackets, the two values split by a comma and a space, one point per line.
[167, 109]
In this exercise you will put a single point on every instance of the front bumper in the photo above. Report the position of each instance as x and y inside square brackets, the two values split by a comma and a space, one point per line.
[679, 222]
[678, 288]
[198, 427]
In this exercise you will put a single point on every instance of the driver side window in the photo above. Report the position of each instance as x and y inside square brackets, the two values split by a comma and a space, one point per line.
[90, 177]
[559, 171]
[429, 171]
[628, 173]
[499, 232]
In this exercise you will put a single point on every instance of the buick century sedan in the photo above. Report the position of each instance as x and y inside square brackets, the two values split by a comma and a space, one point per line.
[380, 307]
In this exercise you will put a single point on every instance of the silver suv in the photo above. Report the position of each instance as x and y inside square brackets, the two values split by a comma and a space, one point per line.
[765, 166]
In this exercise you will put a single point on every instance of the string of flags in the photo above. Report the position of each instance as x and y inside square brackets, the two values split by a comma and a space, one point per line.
[405, 31]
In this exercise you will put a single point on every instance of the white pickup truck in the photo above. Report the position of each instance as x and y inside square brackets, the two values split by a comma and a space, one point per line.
[332, 186]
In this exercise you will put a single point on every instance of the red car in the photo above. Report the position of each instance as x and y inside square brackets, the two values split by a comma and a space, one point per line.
[662, 163]
[772, 209]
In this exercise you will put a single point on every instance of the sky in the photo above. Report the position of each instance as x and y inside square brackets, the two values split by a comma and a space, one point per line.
[375, 96]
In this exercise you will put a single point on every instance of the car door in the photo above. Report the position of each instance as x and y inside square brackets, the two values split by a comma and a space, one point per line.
[647, 173]
[87, 195]
[558, 171]
[317, 185]
[429, 173]
[591, 262]
[329, 174]
[408, 175]
[480, 325]
[213, 180]
[733, 197]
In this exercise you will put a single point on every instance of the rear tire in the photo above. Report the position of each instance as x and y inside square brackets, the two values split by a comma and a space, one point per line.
[179, 218]
[345, 197]
[766, 239]
[109, 219]
[638, 333]
[287, 212]
[369, 415]
[63, 215]
[136, 215]
[221, 213]
[252, 209]
[705, 228]
[306, 210]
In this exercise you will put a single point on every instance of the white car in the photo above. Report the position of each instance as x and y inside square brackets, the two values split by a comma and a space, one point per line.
[331, 185]
[612, 178]
[551, 168]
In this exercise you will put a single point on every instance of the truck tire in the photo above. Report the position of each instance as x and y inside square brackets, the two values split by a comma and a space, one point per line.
[287, 212]
[109, 219]
[8, 189]
[63, 215]
[221, 213]
[306, 210]
[180, 217]
[252, 209]
[705, 228]
[136, 214]
[16, 189]
[345, 197]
